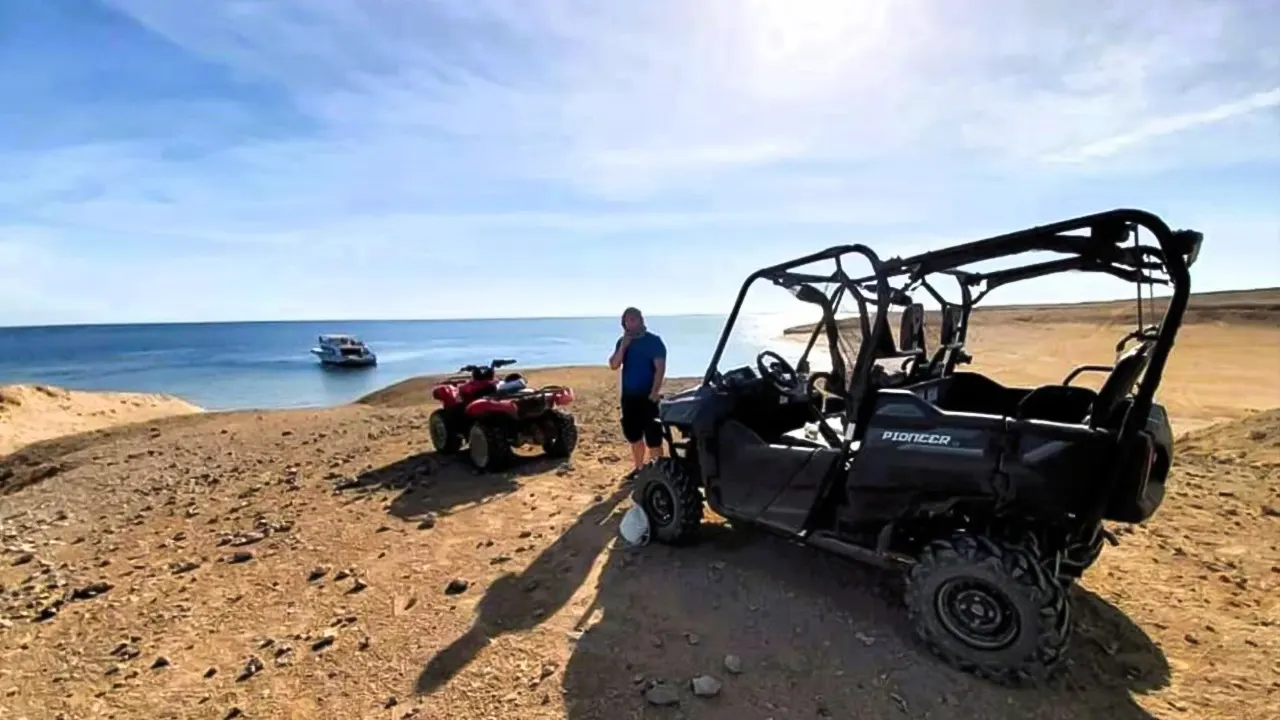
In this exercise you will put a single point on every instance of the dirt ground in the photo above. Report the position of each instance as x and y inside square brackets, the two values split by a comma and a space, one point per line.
[299, 564]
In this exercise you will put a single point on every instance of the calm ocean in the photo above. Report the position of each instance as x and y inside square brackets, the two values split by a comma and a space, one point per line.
[222, 366]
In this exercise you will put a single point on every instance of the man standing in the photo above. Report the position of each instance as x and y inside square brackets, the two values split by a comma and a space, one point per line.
[643, 359]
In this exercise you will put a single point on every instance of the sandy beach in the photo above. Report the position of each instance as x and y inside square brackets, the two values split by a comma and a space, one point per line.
[327, 564]
[31, 413]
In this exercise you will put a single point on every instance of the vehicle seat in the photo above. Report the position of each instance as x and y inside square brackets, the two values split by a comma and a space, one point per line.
[1124, 375]
[514, 383]
[1056, 403]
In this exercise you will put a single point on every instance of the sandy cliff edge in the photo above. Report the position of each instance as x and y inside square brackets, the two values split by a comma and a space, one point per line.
[31, 413]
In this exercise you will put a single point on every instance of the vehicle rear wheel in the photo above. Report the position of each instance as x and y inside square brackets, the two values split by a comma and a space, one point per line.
[562, 435]
[489, 446]
[671, 499]
[444, 437]
[989, 609]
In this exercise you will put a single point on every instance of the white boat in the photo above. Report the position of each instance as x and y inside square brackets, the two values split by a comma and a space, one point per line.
[344, 350]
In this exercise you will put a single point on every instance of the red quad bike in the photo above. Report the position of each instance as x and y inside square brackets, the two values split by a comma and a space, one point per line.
[493, 417]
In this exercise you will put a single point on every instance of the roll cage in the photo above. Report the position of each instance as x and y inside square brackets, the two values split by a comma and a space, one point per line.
[1111, 243]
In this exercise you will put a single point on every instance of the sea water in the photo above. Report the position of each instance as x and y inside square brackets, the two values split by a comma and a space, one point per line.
[222, 366]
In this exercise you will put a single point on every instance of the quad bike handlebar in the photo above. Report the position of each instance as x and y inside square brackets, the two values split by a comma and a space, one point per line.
[493, 365]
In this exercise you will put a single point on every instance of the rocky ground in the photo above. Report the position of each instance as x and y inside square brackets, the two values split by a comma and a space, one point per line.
[324, 564]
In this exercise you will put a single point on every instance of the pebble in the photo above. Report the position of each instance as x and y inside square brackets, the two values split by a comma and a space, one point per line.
[241, 556]
[456, 586]
[733, 664]
[252, 667]
[706, 686]
[662, 695]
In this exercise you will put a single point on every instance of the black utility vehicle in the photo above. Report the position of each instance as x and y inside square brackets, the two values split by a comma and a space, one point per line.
[994, 497]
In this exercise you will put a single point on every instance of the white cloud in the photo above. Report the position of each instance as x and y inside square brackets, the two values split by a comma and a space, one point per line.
[428, 126]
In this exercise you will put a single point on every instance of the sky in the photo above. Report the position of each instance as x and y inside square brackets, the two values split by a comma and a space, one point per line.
[297, 159]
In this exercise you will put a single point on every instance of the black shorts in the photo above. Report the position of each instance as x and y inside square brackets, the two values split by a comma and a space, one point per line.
[640, 420]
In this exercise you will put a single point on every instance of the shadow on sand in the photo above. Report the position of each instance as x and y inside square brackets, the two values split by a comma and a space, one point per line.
[434, 484]
[520, 601]
[817, 636]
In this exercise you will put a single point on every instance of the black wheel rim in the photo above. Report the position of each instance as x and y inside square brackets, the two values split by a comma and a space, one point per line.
[661, 505]
[439, 433]
[977, 613]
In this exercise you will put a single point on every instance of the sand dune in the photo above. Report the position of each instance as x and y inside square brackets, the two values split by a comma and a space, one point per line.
[326, 564]
[31, 413]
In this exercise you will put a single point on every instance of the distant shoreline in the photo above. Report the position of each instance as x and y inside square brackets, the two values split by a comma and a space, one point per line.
[1249, 307]
[1208, 295]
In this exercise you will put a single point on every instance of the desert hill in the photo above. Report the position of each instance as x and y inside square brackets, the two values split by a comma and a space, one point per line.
[308, 564]
[1236, 307]
[327, 564]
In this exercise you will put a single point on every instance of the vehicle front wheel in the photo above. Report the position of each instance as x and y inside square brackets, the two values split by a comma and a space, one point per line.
[671, 498]
[989, 609]
[489, 446]
[444, 437]
[561, 436]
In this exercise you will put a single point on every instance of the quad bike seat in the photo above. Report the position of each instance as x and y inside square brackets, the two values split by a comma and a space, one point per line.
[512, 384]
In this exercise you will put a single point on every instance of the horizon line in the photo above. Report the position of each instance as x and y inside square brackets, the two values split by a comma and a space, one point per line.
[537, 317]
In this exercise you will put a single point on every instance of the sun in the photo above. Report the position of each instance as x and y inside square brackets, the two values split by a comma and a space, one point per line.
[796, 47]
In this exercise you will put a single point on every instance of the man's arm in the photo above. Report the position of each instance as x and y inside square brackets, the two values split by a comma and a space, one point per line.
[659, 370]
[619, 352]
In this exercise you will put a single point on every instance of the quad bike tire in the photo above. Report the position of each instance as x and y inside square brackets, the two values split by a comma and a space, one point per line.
[489, 446]
[445, 438]
[671, 499]
[562, 438]
[989, 609]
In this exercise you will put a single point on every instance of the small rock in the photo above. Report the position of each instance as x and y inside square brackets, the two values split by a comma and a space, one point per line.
[183, 567]
[234, 712]
[160, 662]
[358, 586]
[427, 523]
[91, 590]
[733, 664]
[241, 556]
[865, 639]
[323, 642]
[210, 672]
[456, 586]
[252, 667]
[706, 686]
[23, 559]
[1270, 511]
[391, 702]
[662, 695]
[317, 572]
[342, 575]
[692, 638]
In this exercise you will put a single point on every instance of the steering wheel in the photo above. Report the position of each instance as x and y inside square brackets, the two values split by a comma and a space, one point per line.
[774, 368]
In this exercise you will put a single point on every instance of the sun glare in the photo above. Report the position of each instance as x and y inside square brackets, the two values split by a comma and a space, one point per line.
[799, 47]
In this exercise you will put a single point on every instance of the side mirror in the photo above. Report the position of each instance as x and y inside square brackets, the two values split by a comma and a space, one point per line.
[1187, 243]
